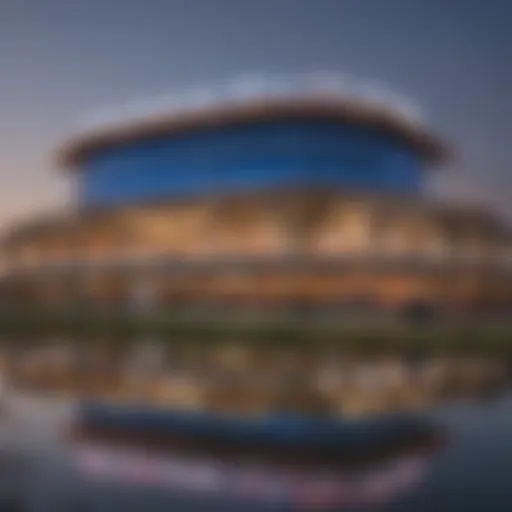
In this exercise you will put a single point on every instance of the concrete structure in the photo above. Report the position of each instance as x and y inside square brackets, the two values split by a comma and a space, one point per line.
[311, 199]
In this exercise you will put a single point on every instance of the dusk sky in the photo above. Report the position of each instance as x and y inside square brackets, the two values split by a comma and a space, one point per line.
[61, 58]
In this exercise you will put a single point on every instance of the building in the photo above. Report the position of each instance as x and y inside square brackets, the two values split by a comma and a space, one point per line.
[307, 199]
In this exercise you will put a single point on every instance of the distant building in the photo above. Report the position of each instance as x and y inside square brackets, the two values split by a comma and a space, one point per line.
[310, 199]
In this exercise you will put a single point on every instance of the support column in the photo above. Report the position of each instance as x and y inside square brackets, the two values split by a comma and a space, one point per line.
[142, 294]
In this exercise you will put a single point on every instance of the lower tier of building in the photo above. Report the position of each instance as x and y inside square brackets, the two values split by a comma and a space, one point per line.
[270, 249]
[387, 284]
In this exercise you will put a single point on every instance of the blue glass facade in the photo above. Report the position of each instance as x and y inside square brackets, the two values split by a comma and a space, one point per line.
[250, 157]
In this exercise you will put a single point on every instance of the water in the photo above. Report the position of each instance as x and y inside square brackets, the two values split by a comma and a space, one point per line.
[472, 473]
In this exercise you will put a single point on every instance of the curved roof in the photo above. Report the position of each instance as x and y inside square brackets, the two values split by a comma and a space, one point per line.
[380, 117]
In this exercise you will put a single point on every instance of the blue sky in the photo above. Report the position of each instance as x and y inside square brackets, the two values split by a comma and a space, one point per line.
[61, 58]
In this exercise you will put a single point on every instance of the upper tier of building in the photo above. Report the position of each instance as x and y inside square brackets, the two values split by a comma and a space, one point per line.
[305, 139]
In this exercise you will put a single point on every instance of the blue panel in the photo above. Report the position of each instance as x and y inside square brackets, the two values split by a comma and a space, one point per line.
[250, 157]
[285, 429]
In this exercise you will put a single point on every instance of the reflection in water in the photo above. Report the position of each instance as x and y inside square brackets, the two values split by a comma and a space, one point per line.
[470, 472]
[249, 380]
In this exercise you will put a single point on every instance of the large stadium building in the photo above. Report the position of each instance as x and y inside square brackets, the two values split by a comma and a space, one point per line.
[310, 199]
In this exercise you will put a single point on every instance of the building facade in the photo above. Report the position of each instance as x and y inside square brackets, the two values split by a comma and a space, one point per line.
[313, 200]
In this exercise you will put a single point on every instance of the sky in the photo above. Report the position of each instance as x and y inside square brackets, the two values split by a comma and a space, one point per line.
[61, 58]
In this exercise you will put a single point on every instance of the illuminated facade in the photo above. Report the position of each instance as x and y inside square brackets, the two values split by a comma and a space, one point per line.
[275, 201]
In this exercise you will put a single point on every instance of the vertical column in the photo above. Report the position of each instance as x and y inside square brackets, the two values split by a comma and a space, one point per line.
[142, 293]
